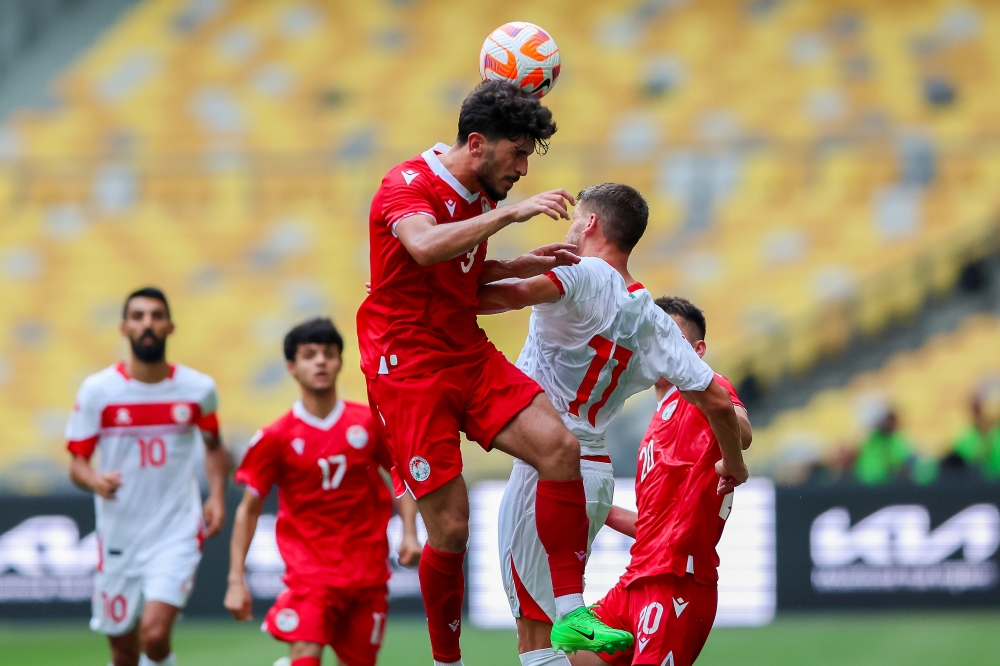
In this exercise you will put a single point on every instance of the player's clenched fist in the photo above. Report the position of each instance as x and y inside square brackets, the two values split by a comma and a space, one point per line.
[107, 483]
[731, 474]
[238, 600]
[552, 203]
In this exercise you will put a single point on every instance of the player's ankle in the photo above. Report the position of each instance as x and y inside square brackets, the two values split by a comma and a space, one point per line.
[169, 660]
[568, 603]
[544, 657]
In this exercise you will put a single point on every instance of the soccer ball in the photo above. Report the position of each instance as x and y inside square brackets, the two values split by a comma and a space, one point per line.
[523, 54]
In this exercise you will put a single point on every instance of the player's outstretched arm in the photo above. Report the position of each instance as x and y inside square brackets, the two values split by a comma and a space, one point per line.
[538, 261]
[238, 600]
[409, 547]
[505, 296]
[717, 406]
[622, 521]
[83, 475]
[431, 243]
[216, 471]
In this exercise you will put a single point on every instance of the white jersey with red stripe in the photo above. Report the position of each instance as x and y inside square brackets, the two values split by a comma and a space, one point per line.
[600, 343]
[150, 434]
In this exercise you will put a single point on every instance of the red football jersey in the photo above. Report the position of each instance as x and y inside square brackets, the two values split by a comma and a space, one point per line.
[419, 319]
[333, 505]
[680, 515]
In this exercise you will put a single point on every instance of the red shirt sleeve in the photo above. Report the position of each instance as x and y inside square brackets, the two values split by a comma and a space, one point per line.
[261, 464]
[729, 387]
[401, 199]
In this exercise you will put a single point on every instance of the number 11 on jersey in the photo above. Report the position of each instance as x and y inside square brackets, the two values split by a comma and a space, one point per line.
[606, 350]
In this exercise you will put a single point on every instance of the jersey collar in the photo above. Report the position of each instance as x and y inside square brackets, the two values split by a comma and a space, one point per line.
[666, 397]
[431, 157]
[302, 414]
[122, 370]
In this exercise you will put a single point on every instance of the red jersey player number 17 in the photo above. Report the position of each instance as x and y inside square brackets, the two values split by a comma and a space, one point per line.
[326, 457]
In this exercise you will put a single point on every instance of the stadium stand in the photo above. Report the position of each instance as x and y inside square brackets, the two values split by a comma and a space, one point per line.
[930, 389]
[227, 152]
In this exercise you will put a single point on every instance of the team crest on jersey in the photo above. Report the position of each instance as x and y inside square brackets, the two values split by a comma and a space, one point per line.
[180, 413]
[669, 410]
[123, 417]
[287, 620]
[299, 445]
[357, 436]
[420, 469]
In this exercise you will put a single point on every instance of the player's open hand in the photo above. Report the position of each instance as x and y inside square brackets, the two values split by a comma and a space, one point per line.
[552, 203]
[106, 484]
[215, 515]
[544, 259]
[409, 551]
[238, 601]
[730, 475]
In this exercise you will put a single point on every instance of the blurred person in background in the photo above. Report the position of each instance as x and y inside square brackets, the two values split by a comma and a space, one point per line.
[147, 416]
[887, 455]
[977, 445]
[334, 505]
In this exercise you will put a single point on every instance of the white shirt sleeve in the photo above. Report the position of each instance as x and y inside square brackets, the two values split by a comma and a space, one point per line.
[579, 281]
[675, 358]
[85, 420]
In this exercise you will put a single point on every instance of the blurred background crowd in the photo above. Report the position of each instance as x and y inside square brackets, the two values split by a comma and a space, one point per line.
[823, 177]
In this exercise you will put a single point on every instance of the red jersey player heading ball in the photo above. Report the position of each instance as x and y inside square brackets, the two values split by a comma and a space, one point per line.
[324, 457]
[668, 595]
[432, 372]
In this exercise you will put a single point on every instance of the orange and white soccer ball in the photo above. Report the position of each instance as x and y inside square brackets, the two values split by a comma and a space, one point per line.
[523, 54]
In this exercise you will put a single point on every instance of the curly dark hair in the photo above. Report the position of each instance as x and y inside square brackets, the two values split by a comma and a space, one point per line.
[501, 110]
[622, 211]
[686, 310]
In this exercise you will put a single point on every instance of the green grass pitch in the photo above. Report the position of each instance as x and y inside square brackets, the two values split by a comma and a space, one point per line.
[803, 640]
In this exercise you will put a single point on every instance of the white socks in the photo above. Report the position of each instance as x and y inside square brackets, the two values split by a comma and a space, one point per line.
[568, 603]
[448, 663]
[544, 657]
[170, 660]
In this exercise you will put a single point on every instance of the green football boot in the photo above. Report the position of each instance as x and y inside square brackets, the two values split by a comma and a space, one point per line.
[582, 630]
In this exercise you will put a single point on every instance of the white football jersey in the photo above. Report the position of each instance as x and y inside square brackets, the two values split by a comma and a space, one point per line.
[600, 343]
[150, 433]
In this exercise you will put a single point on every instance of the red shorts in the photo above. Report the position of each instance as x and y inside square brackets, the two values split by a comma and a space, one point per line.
[670, 617]
[423, 415]
[350, 620]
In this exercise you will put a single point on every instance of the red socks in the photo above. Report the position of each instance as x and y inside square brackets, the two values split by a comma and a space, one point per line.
[562, 524]
[306, 661]
[442, 584]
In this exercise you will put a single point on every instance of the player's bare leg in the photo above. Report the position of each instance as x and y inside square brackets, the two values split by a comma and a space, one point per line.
[157, 622]
[442, 581]
[125, 648]
[304, 653]
[534, 644]
[538, 437]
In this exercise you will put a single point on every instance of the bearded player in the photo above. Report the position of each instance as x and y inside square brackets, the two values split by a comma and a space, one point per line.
[595, 338]
[669, 593]
[324, 457]
[432, 372]
[147, 416]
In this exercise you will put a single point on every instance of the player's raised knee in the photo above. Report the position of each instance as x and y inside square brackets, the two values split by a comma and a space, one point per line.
[560, 457]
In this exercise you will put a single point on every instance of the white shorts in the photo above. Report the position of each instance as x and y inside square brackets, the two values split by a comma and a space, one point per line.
[168, 577]
[520, 549]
